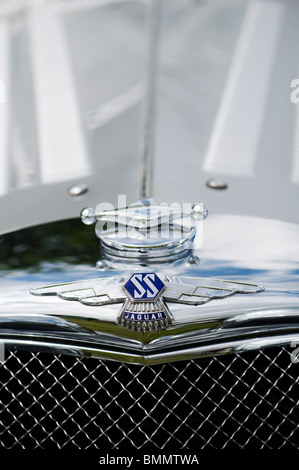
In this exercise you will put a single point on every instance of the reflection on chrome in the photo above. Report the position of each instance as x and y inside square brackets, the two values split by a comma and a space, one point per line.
[222, 325]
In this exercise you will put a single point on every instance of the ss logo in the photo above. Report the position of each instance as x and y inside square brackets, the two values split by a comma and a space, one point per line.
[144, 286]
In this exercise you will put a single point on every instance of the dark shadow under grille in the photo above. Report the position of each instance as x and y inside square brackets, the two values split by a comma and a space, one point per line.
[237, 400]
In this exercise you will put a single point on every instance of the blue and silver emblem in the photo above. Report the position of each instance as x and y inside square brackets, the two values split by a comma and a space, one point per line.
[146, 287]
[145, 296]
[144, 309]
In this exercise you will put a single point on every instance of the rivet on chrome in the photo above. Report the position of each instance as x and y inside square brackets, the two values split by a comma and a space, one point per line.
[77, 190]
[216, 183]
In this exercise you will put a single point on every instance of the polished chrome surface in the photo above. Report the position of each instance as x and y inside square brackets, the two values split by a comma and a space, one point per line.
[233, 323]
[77, 69]
[149, 108]
[203, 128]
[144, 214]
[88, 216]
[144, 307]
[146, 232]
[179, 365]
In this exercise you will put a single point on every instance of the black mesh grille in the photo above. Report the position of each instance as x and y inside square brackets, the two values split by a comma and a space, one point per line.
[237, 400]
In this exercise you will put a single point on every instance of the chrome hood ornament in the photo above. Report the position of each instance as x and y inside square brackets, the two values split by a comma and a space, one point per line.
[145, 296]
[146, 233]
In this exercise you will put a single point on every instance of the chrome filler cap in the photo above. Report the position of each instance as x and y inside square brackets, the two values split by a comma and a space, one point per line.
[146, 232]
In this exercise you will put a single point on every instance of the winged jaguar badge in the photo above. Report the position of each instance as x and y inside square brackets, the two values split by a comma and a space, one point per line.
[145, 296]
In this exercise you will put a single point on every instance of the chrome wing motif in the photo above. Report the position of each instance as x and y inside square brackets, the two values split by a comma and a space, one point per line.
[145, 296]
[196, 291]
[93, 292]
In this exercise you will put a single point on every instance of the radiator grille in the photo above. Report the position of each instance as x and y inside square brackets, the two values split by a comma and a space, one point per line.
[237, 400]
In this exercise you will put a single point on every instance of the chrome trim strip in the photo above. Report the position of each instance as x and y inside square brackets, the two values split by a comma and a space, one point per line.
[146, 156]
[228, 347]
[216, 331]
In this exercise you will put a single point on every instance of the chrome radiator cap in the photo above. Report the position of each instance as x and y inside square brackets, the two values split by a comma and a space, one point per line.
[146, 233]
[233, 299]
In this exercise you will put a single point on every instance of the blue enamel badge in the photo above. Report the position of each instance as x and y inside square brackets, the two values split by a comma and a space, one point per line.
[143, 309]
[144, 287]
[145, 297]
